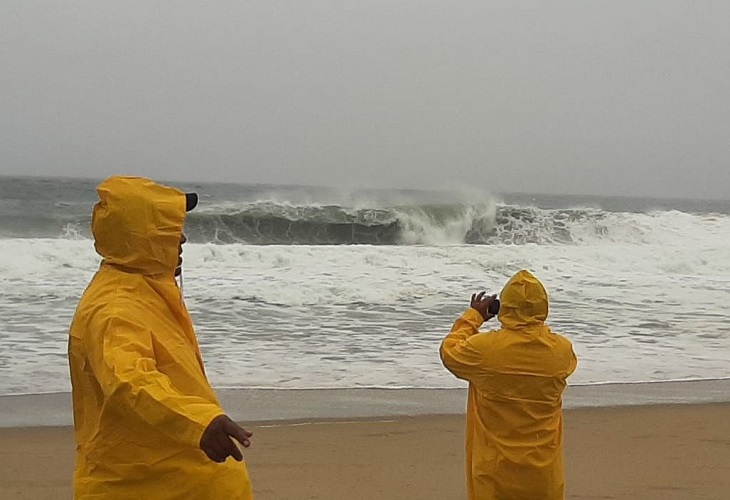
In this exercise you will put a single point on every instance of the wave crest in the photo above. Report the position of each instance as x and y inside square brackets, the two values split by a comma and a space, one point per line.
[270, 222]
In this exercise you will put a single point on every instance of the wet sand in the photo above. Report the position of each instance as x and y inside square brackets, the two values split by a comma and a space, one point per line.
[676, 452]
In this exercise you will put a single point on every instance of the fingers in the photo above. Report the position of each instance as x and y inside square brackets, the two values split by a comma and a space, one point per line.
[223, 444]
[215, 449]
[480, 296]
[209, 454]
[217, 444]
[232, 450]
[220, 447]
[239, 433]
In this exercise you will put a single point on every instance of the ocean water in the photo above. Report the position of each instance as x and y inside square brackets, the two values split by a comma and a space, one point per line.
[299, 287]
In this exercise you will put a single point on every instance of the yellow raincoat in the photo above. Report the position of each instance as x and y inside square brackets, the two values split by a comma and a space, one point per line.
[140, 395]
[516, 380]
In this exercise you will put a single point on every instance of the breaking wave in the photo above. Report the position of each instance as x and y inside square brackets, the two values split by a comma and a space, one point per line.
[284, 223]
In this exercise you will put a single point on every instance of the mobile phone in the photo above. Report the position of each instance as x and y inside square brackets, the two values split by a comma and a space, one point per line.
[494, 307]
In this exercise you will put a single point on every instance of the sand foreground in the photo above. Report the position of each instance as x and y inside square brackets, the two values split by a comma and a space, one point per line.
[677, 452]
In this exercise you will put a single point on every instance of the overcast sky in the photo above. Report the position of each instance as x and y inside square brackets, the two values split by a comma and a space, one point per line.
[597, 97]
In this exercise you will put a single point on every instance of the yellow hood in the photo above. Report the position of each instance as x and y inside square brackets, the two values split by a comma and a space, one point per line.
[524, 302]
[137, 225]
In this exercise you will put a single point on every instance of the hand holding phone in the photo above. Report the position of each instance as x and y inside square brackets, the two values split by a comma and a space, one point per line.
[488, 306]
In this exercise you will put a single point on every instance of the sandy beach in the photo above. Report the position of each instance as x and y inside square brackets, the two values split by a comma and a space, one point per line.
[676, 452]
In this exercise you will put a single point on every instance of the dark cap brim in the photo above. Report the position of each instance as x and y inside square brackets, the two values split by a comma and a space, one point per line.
[191, 201]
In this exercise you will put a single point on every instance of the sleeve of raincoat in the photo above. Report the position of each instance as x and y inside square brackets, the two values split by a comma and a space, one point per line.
[457, 353]
[123, 360]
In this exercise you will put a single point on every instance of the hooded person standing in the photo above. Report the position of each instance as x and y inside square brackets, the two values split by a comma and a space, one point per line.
[148, 424]
[516, 375]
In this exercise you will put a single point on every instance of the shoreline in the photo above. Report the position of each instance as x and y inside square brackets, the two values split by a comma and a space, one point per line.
[302, 405]
[655, 452]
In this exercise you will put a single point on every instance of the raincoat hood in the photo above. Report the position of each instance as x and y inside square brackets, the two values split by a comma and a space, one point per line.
[137, 225]
[524, 302]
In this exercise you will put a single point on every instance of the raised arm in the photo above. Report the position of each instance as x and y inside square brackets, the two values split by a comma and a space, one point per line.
[457, 353]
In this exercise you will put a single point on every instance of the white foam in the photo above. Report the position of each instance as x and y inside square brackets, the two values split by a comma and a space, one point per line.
[419, 227]
[649, 309]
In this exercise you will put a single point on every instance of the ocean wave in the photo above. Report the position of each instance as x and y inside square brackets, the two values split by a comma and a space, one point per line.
[487, 223]
[269, 222]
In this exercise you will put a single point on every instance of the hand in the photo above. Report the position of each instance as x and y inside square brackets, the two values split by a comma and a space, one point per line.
[482, 303]
[216, 441]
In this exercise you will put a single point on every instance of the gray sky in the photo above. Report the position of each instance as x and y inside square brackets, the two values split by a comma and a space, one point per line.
[599, 97]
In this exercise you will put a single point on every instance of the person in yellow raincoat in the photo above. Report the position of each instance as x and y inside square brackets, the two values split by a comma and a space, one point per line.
[516, 375]
[148, 424]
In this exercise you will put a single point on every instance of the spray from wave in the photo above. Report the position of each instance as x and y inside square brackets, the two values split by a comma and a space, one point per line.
[282, 223]
[274, 222]
[487, 223]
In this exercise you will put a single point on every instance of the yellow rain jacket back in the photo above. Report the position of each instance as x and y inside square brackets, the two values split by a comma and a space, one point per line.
[516, 380]
[140, 395]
